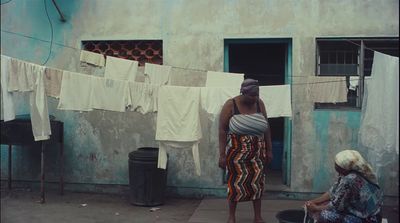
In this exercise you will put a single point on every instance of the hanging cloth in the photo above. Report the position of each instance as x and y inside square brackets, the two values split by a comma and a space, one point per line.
[121, 69]
[223, 79]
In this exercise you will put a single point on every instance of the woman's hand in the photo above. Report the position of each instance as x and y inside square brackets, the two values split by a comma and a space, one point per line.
[311, 206]
[222, 161]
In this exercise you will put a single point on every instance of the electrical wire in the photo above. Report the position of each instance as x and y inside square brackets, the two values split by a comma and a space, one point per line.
[51, 28]
[6, 2]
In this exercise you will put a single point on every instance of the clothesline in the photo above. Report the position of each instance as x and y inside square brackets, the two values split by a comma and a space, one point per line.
[305, 83]
[176, 67]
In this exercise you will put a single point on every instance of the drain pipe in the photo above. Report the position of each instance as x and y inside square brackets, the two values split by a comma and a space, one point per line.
[59, 11]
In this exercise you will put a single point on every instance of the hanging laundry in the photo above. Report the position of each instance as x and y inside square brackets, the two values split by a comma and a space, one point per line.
[165, 145]
[379, 129]
[213, 98]
[22, 75]
[143, 97]
[7, 104]
[92, 58]
[52, 82]
[39, 109]
[157, 74]
[353, 83]
[108, 94]
[223, 79]
[178, 118]
[121, 69]
[277, 100]
[75, 92]
[328, 89]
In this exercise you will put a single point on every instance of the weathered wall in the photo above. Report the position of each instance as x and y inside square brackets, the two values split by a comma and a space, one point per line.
[97, 143]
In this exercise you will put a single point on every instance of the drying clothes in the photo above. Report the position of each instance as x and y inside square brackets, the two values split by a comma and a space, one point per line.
[75, 92]
[92, 58]
[121, 69]
[379, 130]
[22, 75]
[178, 114]
[213, 98]
[223, 79]
[328, 89]
[143, 97]
[7, 104]
[353, 83]
[157, 74]
[108, 94]
[277, 100]
[162, 153]
[52, 82]
[39, 110]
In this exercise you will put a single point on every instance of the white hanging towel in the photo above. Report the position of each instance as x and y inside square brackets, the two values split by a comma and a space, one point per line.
[178, 114]
[223, 79]
[143, 97]
[157, 74]
[213, 98]
[178, 118]
[92, 58]
[121, 69]
[75, 92]
[21, 77]
[328, 89]
[277, 100]
[111, 95]
[52, 82]
[39, 109]
[353, 82]
[163, 158]
[7, 104]
[379, 129]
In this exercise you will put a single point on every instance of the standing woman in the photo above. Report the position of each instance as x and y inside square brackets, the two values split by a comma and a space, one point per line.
[245, 147]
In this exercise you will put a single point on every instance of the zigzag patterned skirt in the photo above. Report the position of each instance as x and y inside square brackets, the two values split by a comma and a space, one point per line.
[245, 157]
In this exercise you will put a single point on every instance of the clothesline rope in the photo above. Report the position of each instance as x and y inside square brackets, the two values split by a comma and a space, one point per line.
[305, 83]
[185, 68]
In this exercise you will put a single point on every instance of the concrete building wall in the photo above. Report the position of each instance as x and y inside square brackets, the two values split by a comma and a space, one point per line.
[97, 143]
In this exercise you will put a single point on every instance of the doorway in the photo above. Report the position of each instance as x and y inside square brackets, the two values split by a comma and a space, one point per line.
[269, 62]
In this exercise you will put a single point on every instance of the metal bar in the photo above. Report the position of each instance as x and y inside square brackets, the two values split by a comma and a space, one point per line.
[42, 174]
[361, 79]
[9, 166]
[62, 168]
[62, 18]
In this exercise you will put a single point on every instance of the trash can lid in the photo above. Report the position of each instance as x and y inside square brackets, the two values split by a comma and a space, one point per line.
[144, 153]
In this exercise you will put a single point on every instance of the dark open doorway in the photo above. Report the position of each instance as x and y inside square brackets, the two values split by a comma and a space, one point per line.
[267, 63]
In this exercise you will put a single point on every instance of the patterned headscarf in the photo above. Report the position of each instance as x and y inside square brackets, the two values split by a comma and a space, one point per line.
[352, 160]
[250, 87]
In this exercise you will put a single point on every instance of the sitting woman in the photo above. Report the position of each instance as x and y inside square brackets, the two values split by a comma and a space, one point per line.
[355, 197]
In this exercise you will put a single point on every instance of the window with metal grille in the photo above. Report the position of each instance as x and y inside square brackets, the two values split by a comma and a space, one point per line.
[350, 57]
[143, 51]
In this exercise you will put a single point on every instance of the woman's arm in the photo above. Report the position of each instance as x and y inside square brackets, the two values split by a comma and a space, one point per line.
[323, 198]
[226, 114]
[267, 134]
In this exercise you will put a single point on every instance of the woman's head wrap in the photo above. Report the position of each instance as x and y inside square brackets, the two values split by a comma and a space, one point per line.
[352, 160]
[250, 87]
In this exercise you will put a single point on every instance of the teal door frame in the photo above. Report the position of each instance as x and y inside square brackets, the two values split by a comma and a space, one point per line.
[287, 142]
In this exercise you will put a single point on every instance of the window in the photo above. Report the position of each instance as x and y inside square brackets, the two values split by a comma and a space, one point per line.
[350, 57]
[143, 51]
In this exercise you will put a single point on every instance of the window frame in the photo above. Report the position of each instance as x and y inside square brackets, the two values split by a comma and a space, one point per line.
[362, 47]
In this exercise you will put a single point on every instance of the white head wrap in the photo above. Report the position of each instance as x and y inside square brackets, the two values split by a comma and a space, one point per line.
[352, 160]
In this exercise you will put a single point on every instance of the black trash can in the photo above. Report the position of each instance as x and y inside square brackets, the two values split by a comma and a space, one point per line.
[147, 182]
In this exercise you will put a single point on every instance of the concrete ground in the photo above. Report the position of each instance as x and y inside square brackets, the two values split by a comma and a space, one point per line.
[21, 206]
